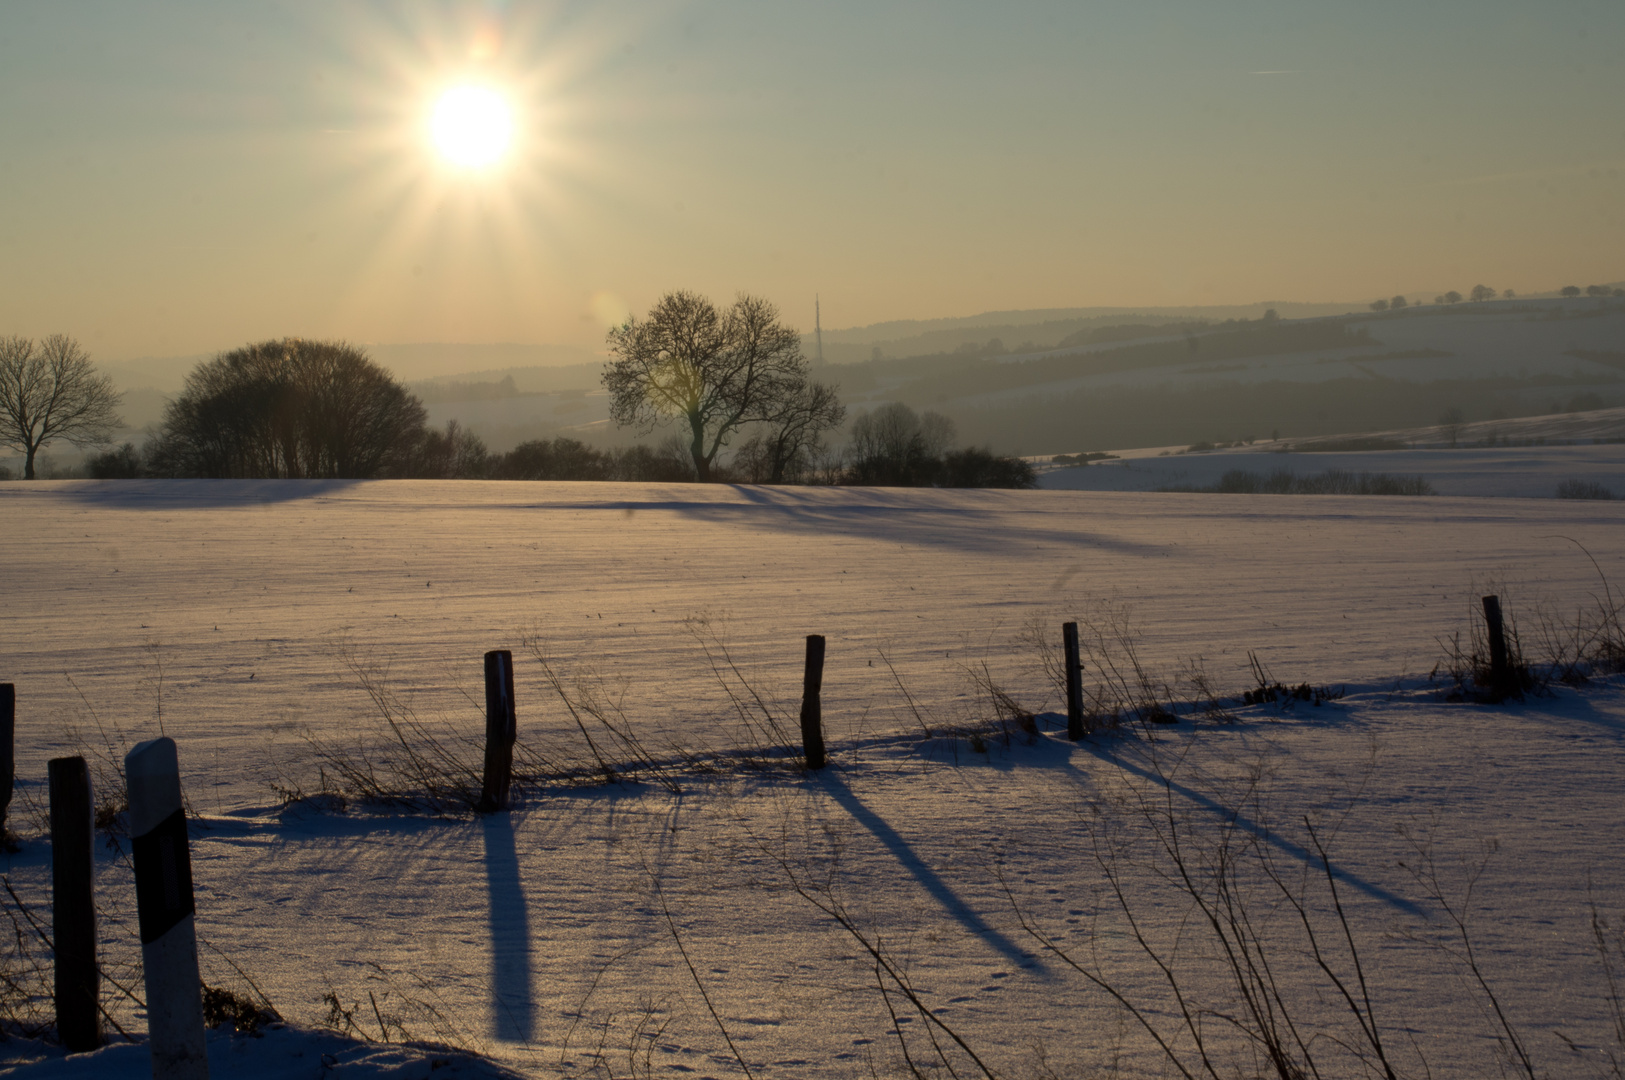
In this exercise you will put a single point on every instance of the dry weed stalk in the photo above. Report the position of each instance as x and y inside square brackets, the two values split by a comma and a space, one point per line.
[1229, 890]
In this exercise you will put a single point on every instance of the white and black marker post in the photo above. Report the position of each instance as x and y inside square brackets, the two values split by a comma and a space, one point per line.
[163, 892]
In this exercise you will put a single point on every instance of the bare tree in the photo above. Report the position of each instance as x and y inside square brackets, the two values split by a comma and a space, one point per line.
[1379, 305]
[716, 371]
[1482, 293]
[51, 391]
[1398, 302]
[1450, 425]
[895, 446]
[786, 449]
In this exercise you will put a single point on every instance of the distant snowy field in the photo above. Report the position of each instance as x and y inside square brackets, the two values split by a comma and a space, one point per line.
[1524, 472]
[224, 612]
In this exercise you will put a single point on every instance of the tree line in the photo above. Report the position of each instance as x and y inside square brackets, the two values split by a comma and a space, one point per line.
[1480, 293]
[728, 379]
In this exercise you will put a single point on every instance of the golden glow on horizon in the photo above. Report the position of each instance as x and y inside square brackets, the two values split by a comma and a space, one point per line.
[472, 126]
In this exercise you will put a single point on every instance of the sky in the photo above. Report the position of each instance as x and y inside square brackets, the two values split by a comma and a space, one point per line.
[181, 177]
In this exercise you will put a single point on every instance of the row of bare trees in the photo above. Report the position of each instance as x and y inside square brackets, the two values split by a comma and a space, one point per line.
[296, 409]
[739, 373]
[1481, 293]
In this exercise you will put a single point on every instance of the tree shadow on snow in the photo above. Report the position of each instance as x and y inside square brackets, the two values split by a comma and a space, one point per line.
[197, 494]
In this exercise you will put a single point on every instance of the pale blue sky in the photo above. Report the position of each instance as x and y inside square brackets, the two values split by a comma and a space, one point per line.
[182, 177]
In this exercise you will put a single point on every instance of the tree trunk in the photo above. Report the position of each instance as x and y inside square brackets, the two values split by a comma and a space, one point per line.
[696, 450]
[28, 466]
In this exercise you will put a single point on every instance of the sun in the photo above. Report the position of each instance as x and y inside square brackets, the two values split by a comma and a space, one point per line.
[471, 126]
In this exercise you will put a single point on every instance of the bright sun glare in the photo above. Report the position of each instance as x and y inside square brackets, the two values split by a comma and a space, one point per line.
[471, 126]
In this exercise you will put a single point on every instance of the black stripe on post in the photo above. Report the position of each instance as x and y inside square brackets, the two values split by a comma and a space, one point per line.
[8, 749]
[812, 707]
[73, 906]
[501, 731]
[163, 877]
[1074, 681]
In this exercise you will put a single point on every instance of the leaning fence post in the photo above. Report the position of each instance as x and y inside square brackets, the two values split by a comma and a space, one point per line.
[501, 729]
[73, 905]
[1074, 682]
[1500, 671]
[8, 756]
[163, 894]
[812, 708]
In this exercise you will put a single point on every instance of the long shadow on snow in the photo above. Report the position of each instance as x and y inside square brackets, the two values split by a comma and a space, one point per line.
[927, 877]
[1055, 753]
[197, 494]
[923, 516]
[514, 1004]
[1241, 821]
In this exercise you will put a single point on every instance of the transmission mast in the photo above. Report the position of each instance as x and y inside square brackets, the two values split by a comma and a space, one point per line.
[818, 331]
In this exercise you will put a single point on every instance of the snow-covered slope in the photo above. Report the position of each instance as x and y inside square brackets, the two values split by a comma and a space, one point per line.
[626, 928]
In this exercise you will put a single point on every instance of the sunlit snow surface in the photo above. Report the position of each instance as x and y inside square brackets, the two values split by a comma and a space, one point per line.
[224, 613]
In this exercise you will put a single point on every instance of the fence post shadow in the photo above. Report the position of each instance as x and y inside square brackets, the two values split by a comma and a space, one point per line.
[513, 1004]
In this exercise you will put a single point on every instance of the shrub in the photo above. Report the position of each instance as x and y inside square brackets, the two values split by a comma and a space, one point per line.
[556, 459]
[1330, 482]
[124, 463]
[979, 467]
[1583, 489]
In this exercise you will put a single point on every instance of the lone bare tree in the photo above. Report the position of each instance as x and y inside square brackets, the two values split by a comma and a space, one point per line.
[51, 391]
[714, 370]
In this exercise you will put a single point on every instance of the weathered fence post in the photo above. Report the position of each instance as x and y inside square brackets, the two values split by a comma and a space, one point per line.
[1074, 681]
[1501, 680]
[8, 752]
[501, 730]
[163, 894]
[73, 905]
[812, 708]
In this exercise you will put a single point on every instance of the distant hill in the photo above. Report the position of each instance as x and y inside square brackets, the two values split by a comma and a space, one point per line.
[1032, 330]
[1185, 382]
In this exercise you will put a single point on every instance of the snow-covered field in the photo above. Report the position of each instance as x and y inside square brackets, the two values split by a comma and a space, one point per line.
[1524, 472]
[622, 929]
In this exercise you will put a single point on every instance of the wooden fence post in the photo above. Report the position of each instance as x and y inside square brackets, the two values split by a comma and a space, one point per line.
[167, 914]
[812, 708]
[1501, 680]
[501, 731]
[1074, 681]
[73, 905]
[8, 750]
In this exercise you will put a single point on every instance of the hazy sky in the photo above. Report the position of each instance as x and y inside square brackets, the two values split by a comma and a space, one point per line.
[186, 176]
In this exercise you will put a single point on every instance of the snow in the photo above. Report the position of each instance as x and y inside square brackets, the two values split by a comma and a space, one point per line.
[553, 938]
[280, 1053]
[1499, 471]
